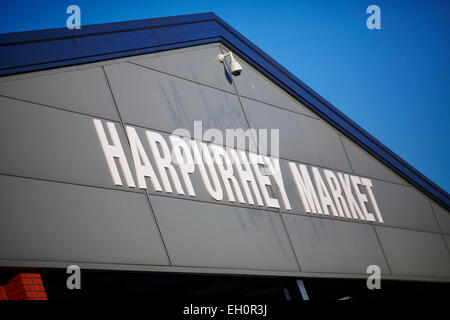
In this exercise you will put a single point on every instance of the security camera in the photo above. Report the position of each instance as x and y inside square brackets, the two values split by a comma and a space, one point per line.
[236, 68]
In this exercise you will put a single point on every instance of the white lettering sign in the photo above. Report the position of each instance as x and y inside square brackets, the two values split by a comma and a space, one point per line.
[235, 175]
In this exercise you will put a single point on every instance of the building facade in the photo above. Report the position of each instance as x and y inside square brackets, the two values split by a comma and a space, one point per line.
[91, 122]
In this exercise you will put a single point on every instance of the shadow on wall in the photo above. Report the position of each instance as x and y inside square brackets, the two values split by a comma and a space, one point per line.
[227, 75]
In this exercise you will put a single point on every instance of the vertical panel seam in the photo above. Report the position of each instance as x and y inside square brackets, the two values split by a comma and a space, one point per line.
[345, 151]
[382, 249]
[239, 98]
[439, 226]
[122, 124]
[257, 148]
[290, 241]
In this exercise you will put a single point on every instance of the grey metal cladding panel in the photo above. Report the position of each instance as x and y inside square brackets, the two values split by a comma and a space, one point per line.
[403, 206]
[33, 74]
[415, 253]
[43, 220]
[249, 141]
[202, 194]
[84, 91]
[52, 144]
[292, 191]
[251, 84]
[400, 206]
[443, 217]
[199, 187]
[303, 139]
[154, 100]
[364, 164]
[447, 240]
[291, 188]
[209, 235]
[199, 65]
[324, 245]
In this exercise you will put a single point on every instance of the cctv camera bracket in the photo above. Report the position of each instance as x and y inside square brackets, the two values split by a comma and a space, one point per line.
[236, 68]
[222, 56]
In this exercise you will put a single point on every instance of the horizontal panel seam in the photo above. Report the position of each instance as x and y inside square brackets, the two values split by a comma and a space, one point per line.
[179, 197]
[180, 77]
[59, 108]
[288, 273]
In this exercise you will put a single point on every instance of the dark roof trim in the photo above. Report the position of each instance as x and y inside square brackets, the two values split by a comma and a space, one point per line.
[45, 49]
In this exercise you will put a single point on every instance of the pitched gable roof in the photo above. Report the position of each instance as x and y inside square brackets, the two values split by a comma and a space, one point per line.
[45, 49]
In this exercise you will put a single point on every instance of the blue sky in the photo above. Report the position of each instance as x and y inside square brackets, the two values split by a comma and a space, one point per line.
[393, 82]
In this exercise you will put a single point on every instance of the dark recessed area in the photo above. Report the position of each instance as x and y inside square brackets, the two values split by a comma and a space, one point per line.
[97, 284]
